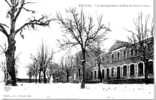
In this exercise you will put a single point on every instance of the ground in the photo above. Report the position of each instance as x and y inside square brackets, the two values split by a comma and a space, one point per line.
[73, 91]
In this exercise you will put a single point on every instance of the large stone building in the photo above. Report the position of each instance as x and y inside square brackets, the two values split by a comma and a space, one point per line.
[122, 62]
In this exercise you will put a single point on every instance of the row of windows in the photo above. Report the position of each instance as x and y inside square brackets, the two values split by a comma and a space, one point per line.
[126, 52]
[123, 54]
[125, 71]
[120, 55]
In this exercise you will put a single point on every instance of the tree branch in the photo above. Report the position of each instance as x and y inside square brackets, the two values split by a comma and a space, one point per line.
[77, 24]
[81, 29]
[43, 21]
[88, 30]
[8, 3]
[67, 43]
[3, 30]
[19, 9]
[28, 10]
[4, 49]
[69, 27]
[22, 4]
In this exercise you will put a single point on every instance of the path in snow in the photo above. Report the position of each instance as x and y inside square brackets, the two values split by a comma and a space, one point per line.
[69, 90]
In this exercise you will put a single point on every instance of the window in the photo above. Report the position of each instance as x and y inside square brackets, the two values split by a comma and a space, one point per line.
[112, 72]
[107, 73]
[150, 47]
[125, 70]
[112, 56]
[124, 54]
[150, 67]
[132, 70]
[118, 55]
[118, 72]
[127, 53]
[103, 73]
[95, 74]
[136, 52]
[140, 69]
[131, 52]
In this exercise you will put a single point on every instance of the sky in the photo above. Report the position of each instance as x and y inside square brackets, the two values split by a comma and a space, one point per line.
[118, 14]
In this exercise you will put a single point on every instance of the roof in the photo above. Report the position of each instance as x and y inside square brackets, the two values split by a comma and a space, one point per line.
[118, 44]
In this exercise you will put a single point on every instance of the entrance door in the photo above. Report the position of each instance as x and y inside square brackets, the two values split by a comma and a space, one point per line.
[107, 73]
[118, 72]
[150, 68]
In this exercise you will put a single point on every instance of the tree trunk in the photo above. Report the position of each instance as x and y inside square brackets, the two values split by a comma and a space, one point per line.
[67, 76]
[146, 70]
[10, 60]
[99, 73]
[39, 77]
[44, 75]
[30, 79]
[36, 78]
[79, 74]
[83, 68]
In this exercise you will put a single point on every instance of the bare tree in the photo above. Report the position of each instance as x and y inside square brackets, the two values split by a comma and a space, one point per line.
[4, 67]
[55, 71]
[81, 31]
[141, 38]
[96, 50]
[68, 66]
[78, 65]
[30, 72]
[33, 68]
[43, 59]
[91, 61]
[10, 31]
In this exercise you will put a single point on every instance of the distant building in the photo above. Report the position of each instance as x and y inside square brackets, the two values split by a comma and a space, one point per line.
[122, 62]
[77, 70]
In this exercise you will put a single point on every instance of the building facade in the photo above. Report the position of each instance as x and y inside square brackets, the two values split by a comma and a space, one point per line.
[123, 62]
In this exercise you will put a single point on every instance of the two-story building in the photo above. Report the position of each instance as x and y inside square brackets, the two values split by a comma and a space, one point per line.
[123, 62]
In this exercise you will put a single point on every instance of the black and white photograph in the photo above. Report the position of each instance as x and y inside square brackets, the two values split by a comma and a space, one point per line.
[77, 49]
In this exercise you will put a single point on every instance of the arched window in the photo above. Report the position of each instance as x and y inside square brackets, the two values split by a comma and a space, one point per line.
[124, 54]
[118, 72]
[112, 72]
[140, 69]
[124, 70]
[107, 73]
[103, 73]
[95, 74]
[132, 70]
[150, 67]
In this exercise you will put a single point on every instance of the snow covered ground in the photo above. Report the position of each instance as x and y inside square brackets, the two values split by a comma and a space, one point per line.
[73, 91]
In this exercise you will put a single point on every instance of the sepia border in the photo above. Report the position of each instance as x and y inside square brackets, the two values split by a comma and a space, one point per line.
[154, 14]
[154, 19]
